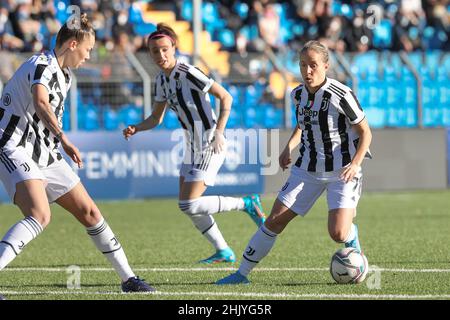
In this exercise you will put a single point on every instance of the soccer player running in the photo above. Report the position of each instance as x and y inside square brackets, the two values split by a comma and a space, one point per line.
[185, 89]
[334, 138]
[31, 167]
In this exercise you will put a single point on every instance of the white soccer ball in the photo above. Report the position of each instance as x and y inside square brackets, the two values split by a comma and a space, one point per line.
[348, 265]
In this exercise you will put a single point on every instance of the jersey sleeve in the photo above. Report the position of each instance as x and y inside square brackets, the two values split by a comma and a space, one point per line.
[200, 80]
[160, 95]
[41, 74]
[350, 107]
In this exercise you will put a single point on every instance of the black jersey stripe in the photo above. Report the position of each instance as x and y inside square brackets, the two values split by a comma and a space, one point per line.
[40, 68]
[199, 84]
[182, 103]
[335, 92]
[342, 129]
[340, 90]
[200, 109]
[324, 128]
[37, 143]
[9, 131]
[2, 113]
[348, 109]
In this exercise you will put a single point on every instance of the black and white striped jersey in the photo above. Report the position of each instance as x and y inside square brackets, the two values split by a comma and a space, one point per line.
[19, 123]
[328, 142]
[186, 93]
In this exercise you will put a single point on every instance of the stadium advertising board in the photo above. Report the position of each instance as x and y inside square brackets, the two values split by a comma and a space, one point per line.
[148, 166]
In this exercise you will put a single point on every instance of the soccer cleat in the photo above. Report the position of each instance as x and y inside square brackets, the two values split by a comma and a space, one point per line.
[254, 209]
[225, 255]
[355, 242]
[134, 284]
[234, 278]
[2, 297]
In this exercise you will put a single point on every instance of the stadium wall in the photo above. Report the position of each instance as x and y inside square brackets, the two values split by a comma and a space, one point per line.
[403, 159]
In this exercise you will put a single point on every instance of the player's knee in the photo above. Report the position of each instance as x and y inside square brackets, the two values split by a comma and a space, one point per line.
[338, 235]
[90, 215]
[43, 218]
[189, 207]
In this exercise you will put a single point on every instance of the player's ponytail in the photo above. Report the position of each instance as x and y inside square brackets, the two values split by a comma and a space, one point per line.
[163, 30]
[76, 27]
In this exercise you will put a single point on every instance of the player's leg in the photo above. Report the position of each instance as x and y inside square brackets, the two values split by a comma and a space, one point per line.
[31, 198]
[261, 243]
[205, 223]
[24, 183]
[192, 201]
[65, 189]
[342, 201]
[78, 202]
[295, 198]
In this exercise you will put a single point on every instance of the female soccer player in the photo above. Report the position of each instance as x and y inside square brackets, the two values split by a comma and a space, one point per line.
[334, 138]
[184, 88]
[32, 169]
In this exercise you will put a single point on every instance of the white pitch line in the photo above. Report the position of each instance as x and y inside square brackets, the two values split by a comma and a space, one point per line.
[236, 294]
[99, 269]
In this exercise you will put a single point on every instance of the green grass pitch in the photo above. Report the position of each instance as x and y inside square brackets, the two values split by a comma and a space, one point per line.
[404, 235]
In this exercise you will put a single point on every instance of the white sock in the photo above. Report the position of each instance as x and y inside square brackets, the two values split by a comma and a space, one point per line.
[109, 245]
[258, 247]
[211, 205]
[208, 227]
[16, 238]
[351, 234]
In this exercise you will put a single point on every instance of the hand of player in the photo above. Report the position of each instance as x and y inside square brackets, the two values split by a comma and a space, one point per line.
[72, 152]
[219, 142]
[129, 131]
[349, 172]
[285, 159]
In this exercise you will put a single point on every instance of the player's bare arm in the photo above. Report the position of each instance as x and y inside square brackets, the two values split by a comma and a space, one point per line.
[365, 138]
[151, 122]
[225, 102]
[285, 158]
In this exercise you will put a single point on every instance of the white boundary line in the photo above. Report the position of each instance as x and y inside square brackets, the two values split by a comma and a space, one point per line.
[196, 269]
[237, 294]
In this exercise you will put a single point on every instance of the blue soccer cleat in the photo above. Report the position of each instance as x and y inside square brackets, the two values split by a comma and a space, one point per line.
[234, 278]
[134, 284]
[254, 209]
[355, 242]
[225, 255]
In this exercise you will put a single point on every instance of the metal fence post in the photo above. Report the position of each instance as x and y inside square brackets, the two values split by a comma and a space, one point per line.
[146, 82]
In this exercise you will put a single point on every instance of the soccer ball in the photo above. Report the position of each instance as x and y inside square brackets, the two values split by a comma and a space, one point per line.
[348, 265]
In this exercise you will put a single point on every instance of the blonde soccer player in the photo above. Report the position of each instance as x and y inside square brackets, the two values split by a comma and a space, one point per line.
[334, 138]
[32, 168]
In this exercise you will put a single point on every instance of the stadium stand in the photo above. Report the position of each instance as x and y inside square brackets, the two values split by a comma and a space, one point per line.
[251, 47]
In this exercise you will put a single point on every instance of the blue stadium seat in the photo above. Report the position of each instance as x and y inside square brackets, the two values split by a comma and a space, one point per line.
[236, 93]
[273, 117]
[143, 29]
[130, 115]
[226, 38]
[234, 120]
[376, 116]
[251, 117]
[171, 120]
[382, 35]
[91, 119]
[252, 95]
[135, 15]
[187, 10]
[111, 119]
[241, 8]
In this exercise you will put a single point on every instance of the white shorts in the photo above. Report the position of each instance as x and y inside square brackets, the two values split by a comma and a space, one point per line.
[303, 188]
[17, 166]
[205, 169]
